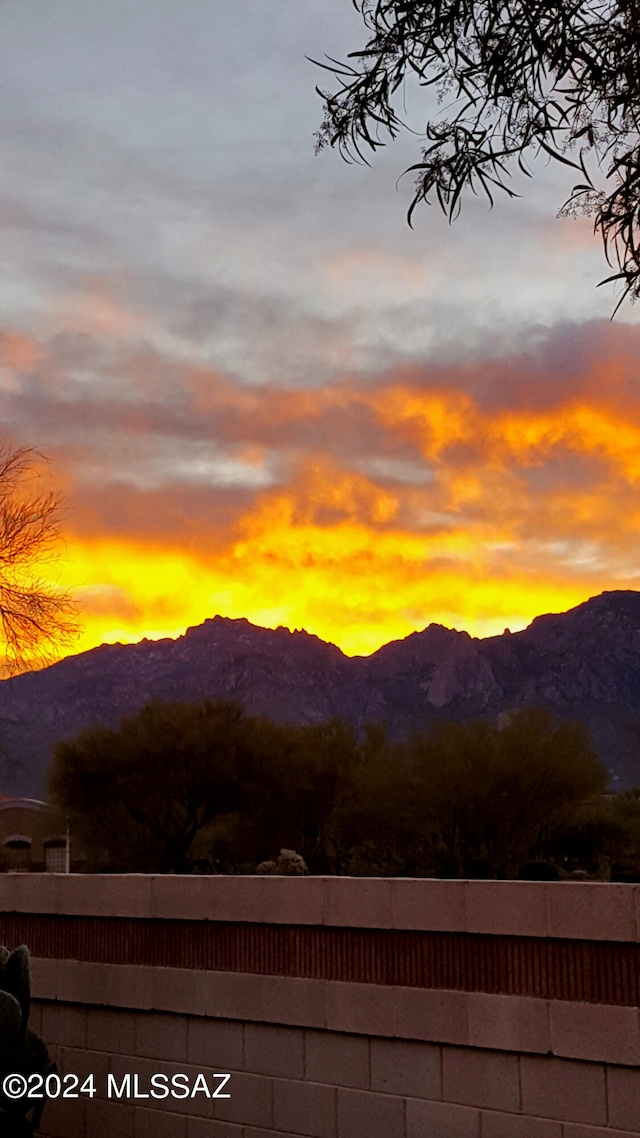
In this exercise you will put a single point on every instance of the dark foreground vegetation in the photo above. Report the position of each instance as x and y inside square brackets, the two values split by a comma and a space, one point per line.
[22, 1053]
[184, 786]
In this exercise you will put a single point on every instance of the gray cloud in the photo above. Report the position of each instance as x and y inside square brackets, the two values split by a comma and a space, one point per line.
[168, 150]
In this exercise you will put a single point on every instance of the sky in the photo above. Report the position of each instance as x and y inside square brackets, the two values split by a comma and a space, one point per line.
[261, 394]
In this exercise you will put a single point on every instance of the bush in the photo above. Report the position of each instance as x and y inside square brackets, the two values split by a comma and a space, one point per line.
[288, 864]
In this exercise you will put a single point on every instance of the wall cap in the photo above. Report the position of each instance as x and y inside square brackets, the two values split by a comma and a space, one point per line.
[572, 910]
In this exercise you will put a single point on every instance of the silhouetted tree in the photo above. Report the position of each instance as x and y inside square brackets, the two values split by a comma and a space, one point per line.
[488, 794]
[590, 838]
[470, 799]
[625, 815]
[293, 782]
[139, 795]
[181, 783]
[378, 828]
[36, 618]
[322, 783]
[523, 78]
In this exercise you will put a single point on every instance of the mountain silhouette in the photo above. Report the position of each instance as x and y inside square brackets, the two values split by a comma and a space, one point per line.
[582, 664]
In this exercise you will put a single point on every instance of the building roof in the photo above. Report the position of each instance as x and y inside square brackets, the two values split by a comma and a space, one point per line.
[7, 802]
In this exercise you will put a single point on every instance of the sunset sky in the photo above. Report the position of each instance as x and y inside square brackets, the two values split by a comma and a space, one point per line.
[260, 392]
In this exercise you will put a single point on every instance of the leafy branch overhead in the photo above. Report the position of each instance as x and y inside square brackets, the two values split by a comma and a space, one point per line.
[524, 78]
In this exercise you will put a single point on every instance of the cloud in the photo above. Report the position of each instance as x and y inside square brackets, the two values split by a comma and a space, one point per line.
[476, 495]
[261, 393]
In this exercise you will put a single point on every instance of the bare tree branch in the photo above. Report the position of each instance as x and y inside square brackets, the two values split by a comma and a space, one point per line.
[36, 618]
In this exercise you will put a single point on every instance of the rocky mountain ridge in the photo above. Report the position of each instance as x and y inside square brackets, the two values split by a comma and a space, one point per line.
[584, 664]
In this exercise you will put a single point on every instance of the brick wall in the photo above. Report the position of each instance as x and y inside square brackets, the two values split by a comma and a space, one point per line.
[514, 1015]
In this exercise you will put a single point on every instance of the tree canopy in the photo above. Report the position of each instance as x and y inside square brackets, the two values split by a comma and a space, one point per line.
[183, 784]
[139, 795]
[521, 78]
[179, 782]
[488, 795]
[36, 617]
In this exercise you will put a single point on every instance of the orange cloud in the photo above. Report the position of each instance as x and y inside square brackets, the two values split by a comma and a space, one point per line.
[95, 311]
[355, 562]
[475, 496]
[18, 352]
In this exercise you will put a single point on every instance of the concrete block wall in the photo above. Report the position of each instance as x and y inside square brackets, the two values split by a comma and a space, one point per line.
[312, 1056]
[306, 1083]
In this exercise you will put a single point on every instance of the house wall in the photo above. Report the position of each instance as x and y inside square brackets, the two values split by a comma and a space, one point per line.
[341, 1008]
[32, 820]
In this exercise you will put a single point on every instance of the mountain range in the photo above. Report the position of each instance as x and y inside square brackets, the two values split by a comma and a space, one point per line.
[582, 664]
